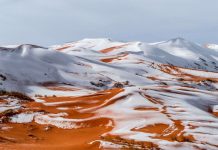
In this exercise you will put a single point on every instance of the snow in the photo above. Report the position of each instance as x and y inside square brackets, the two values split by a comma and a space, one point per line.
[166, 79]
[215, 108]
[212, 46]
[23, 118]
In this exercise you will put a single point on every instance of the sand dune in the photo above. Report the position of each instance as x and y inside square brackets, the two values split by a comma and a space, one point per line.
[103, 94]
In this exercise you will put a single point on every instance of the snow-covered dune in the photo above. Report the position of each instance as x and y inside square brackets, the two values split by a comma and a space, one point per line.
[212, 46]
[159, 95]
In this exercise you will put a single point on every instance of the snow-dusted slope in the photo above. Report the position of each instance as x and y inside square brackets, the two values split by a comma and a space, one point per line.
[178, 51]
[212, 46]
[29, 64]
[151, 95]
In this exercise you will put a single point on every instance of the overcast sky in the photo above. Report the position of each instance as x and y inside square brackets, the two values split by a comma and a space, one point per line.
[47, 22]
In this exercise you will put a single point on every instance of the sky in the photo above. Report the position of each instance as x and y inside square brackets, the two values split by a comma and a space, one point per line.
[48, 22]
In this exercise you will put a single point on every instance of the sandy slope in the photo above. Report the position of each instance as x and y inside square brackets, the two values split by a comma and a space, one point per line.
[100, 94]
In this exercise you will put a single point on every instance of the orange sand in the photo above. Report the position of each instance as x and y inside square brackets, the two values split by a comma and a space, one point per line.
[110, 49]
[35, 136]
[111, 59]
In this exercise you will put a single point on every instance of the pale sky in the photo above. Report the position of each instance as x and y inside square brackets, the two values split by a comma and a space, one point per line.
[47, 22]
